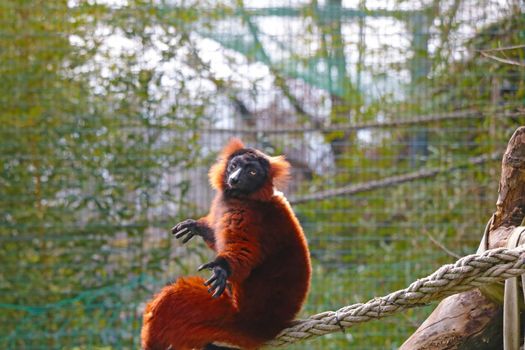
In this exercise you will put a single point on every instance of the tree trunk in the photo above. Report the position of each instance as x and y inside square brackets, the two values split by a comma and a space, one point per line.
[473, 319]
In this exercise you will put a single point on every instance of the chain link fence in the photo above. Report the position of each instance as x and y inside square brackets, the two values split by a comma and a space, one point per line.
[394, 115]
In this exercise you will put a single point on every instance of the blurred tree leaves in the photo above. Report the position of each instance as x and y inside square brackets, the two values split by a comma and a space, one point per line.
[94, 129]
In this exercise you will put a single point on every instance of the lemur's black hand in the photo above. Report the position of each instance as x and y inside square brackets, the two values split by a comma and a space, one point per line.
[218, 280]
[186, 229]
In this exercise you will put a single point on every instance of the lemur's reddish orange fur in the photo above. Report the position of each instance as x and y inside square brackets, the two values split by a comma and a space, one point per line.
[265, 247]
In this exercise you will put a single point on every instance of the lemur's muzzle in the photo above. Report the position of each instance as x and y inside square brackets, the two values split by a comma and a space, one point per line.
[233, 179]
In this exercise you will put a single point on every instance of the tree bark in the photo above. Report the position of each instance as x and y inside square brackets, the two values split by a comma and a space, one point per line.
[473, 319]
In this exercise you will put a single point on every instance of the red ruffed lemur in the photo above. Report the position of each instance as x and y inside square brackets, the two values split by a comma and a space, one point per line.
[261, 273]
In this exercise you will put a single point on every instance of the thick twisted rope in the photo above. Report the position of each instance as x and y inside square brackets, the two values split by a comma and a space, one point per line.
[471, 271]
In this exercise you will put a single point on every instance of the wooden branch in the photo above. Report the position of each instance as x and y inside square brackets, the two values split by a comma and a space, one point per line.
[485, 53]
[392, 180]
[473, 320]
[511, 200]
[399, 122]
[505, 48]
[503, 60]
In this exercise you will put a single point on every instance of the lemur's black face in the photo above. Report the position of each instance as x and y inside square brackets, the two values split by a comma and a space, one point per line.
[246, 172]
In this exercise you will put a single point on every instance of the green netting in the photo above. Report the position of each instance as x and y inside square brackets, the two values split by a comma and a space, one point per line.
[112, 111]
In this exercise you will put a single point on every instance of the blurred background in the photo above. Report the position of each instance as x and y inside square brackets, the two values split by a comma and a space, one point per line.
[112, 112]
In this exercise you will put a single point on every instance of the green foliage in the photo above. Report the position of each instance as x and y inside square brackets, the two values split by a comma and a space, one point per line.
[88, 145]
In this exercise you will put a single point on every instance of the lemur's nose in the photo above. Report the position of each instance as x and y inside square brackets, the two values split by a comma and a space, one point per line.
[234, 177]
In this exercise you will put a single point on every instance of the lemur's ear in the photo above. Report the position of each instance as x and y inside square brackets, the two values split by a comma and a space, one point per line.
[279, 171]
[231, 147]
[217, 171]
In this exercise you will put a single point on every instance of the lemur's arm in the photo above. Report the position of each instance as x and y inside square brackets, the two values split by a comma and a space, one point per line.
[240, 251]
[189, 228]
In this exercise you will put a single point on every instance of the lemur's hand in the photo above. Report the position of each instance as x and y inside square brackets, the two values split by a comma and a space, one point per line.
[218, 280]
[187, 229]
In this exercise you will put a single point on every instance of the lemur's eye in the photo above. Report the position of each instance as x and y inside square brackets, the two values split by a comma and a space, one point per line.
[233, 166]
[253, 172]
